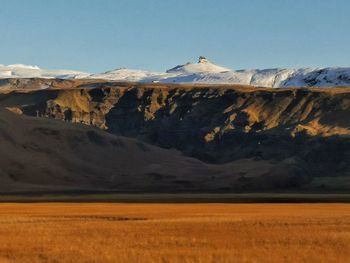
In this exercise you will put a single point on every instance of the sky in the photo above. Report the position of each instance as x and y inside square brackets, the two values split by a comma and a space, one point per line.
[100, 35]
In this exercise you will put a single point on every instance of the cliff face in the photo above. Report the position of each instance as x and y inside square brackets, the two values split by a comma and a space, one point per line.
[305, 131]
[213, 111]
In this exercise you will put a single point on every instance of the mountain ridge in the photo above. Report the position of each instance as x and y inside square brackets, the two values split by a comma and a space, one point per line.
[234, 138]
[204, 71]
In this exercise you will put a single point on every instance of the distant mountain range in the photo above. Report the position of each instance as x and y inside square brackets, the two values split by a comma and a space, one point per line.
[203, 71]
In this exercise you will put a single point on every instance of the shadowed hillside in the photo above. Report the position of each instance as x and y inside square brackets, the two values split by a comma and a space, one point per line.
[263, 139]
[49, 155]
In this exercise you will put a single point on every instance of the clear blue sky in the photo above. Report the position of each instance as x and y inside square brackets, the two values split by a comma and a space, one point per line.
[97, 35]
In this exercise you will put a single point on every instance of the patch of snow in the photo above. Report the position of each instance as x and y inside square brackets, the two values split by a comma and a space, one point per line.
[6, 74]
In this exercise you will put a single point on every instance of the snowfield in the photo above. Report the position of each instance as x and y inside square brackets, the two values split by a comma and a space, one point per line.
[27, 71]
[203, 71]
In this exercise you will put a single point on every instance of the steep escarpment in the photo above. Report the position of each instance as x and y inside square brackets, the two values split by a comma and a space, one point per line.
[214, 110]
[302, 133]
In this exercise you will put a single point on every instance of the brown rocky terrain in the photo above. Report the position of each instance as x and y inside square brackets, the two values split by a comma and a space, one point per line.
[262, 139]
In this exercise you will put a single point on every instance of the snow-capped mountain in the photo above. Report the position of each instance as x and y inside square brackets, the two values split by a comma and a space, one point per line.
[133, 75]
[27, 71]
[203, 66]
[203, 71]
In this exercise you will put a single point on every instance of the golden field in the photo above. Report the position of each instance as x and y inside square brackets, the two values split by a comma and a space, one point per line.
[107, 232]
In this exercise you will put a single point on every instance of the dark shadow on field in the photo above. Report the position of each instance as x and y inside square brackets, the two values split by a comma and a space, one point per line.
[112, 197]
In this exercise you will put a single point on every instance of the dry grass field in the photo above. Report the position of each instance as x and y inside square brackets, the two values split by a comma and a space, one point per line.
[102, 232]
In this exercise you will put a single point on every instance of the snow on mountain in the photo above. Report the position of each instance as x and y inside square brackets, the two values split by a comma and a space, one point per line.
[22, 66]
[203, 66]
[128, 75]
[28, 71]
[203, 71]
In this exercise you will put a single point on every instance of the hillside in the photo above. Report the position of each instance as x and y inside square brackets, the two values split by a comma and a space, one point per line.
[246, 139]
[48, 155]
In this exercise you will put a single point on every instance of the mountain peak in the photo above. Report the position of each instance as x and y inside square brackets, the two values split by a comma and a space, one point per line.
[203, 59]
[203, 66]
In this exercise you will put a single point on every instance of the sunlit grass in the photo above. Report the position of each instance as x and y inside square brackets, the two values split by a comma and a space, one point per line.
[174, 232]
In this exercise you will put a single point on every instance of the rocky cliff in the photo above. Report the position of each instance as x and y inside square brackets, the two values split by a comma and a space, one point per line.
[303, 133]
